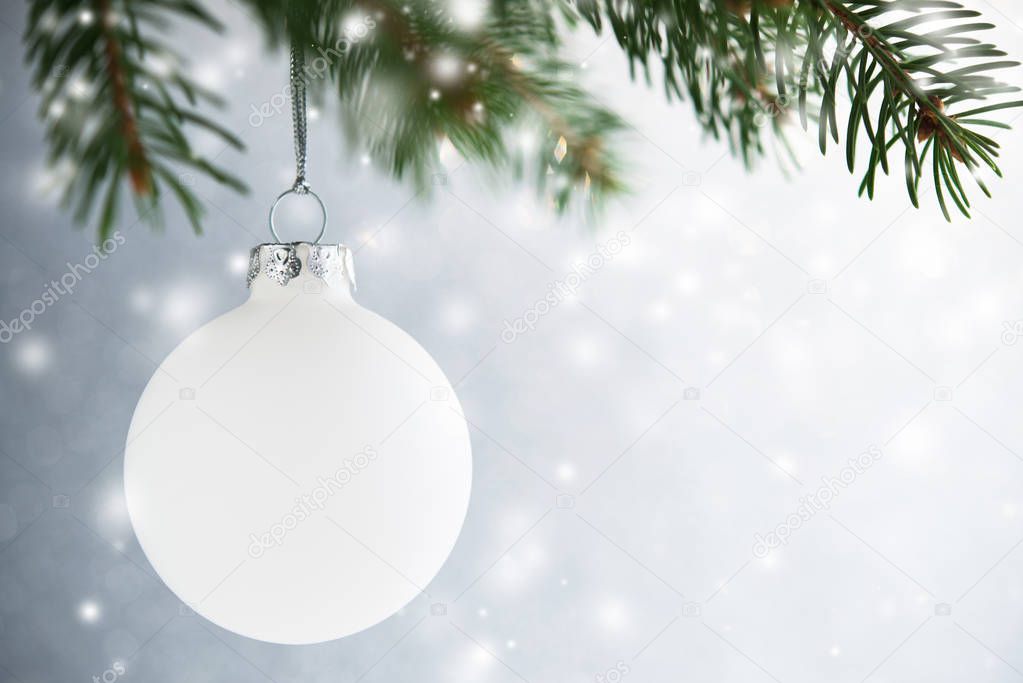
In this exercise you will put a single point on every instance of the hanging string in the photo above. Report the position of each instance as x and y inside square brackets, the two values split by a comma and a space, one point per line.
[298, 117]
[298, 120]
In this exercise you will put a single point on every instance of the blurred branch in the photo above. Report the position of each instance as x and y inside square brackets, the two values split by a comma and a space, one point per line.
[409, 75]
[116, 102]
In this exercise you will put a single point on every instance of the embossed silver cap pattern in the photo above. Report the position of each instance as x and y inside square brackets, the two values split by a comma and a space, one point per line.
[282, 262]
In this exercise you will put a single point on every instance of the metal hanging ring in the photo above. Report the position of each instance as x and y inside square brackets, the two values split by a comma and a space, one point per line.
[304, 191]
[298, 121]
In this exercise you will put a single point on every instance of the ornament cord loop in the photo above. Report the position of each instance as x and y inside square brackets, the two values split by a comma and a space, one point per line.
[300, 129]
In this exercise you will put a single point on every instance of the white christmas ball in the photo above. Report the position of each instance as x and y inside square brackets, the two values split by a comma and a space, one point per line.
[299, 468]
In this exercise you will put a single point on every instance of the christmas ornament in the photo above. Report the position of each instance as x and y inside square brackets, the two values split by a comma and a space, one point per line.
[299, 468]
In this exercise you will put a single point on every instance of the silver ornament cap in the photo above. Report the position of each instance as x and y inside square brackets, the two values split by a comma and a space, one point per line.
[281, 262]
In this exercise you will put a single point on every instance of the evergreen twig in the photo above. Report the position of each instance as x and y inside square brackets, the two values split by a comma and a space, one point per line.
[914, 73]
[116, 102]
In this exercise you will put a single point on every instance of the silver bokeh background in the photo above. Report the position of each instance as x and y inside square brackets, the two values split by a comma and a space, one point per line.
[754, 335]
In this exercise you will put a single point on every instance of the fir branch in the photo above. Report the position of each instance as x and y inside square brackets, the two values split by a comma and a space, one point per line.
[915, 74]
[409, 77]
[740, 61]
[117, 105]
[910, 65]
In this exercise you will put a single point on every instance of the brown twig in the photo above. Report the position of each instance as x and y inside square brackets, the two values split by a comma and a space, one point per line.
[931, 110]
[139, 170]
